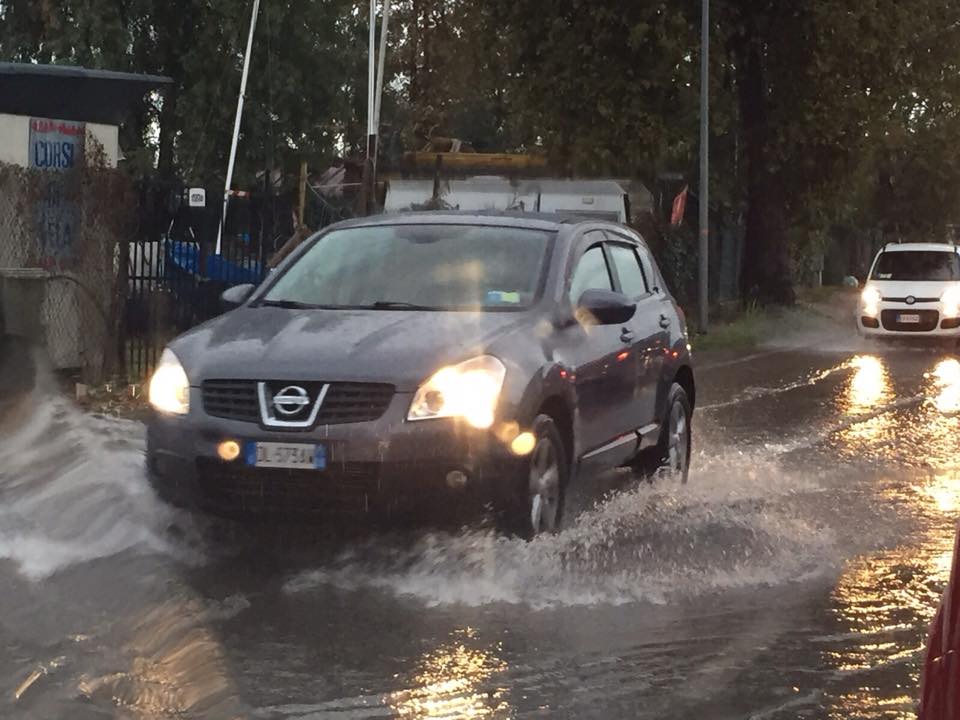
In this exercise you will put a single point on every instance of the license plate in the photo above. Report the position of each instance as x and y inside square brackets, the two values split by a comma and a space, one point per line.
[908, 319]
[293, 456]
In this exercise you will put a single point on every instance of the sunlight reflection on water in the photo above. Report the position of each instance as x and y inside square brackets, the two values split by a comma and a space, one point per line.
[886, 600]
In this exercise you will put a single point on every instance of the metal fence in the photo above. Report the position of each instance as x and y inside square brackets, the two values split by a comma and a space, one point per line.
[126, 266]
[65, 227]
[174, 276]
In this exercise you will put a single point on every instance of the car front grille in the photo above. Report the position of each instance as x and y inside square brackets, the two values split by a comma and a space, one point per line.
[344, 402]
[231, 399]
[915, 300]
[928, 320]
[351, 488]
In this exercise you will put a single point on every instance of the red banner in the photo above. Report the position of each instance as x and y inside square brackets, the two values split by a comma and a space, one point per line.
[679, 207]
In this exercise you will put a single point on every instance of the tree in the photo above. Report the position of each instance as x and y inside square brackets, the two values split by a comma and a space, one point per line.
[605, 87]
[304, 73]
[822, 87]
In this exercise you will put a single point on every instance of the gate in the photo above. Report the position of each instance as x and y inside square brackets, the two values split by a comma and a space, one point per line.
[172, 273]
[175, 277]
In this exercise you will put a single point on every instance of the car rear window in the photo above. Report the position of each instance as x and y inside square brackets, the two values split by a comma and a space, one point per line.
[435, 267]
[917, 265]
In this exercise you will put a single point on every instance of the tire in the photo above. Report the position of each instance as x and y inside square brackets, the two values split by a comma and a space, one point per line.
[672, 454]
[541, 483]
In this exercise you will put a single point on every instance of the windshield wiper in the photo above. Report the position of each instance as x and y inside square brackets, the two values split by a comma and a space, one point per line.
[288, 304]
[398, 304]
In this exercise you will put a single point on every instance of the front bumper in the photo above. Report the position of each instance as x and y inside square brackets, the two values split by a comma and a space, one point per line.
[886, 322]
[384, 467]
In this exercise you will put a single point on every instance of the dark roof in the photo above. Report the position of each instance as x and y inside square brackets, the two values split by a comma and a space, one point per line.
[63, 92]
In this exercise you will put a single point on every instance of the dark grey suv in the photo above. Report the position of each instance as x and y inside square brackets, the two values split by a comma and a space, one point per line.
[403, 362]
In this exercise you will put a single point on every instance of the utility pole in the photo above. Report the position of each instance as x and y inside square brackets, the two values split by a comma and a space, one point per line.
[704, 285]
[236, 122]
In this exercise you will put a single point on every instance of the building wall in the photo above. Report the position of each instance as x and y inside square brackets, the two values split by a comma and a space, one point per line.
[109, 137]
[15, 140]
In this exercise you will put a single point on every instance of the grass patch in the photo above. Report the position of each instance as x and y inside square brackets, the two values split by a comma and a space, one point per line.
[743, 332]
[755, 325]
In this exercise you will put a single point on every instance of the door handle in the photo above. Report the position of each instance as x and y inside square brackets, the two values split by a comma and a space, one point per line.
[626, 335]
[664, 322]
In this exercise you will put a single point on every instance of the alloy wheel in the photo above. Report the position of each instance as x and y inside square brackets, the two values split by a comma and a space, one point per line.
[678, 448]
[544, 487]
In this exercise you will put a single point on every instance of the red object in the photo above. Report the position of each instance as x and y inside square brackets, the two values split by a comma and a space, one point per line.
[940, 684]
[679, 207]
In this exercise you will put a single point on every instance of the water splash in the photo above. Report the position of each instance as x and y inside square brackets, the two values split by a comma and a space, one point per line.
[72, 486]
[741, 521]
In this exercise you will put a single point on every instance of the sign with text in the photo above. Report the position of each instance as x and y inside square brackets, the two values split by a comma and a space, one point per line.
[57, 145]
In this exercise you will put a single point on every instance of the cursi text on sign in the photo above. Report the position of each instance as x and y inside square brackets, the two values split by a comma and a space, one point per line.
[56, 144]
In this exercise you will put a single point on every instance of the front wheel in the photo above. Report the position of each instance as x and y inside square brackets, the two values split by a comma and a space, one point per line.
[538, 508]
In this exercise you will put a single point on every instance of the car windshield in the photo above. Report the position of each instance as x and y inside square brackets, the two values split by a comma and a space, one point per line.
[424, 267]
[917, 265]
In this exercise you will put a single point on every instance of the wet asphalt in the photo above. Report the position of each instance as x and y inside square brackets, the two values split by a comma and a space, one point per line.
[794, 576]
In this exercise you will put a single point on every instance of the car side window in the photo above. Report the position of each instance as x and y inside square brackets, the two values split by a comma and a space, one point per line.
[649, 269]
[591, 273]
[633, 280]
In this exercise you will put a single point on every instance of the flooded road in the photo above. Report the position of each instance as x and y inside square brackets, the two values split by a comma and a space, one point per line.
[794, 576]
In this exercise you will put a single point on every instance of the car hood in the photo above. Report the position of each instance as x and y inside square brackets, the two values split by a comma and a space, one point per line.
[402, 348]
[927, 289]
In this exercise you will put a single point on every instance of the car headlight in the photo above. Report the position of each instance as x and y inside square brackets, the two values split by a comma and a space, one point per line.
[169, 387]
[950, 302]
[871, 301]
[469, 390]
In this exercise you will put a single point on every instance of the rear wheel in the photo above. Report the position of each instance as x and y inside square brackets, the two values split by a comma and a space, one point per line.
[671, 456]
[676, 441]
[543, 480]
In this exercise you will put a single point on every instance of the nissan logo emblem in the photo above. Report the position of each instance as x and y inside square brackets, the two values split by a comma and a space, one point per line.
[291, 400]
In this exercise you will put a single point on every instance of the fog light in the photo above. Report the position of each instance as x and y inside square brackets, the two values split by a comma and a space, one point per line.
[457, 480]
[523, 444]
[228, 450]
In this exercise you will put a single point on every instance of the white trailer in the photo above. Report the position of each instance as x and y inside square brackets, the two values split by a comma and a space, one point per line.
[605, 199]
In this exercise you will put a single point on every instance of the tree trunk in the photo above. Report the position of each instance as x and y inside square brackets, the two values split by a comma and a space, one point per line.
[766, 274]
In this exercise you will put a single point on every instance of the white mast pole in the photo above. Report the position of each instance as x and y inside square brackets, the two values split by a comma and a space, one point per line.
[381, 61]
[371, 74]
[236, 123]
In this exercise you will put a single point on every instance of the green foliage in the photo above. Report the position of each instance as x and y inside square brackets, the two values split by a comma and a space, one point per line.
[829, 119]
[307, 68]
[678, 260]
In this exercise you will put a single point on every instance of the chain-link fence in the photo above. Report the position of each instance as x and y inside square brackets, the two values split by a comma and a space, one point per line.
[69, 226]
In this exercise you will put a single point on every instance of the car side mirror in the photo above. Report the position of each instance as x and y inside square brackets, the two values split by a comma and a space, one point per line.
[236, 296]
[604, 307]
